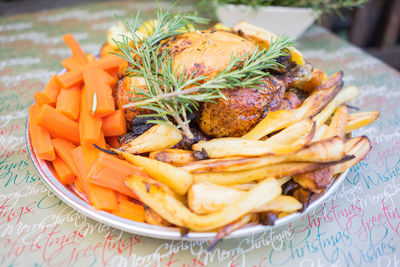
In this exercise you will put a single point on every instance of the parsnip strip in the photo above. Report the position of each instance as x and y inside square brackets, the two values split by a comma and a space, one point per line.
[281, 119]
[177, 179]
[156, 138]
[321, 151]
[338, 123]
[175, 212]
[204, 198]
[360, 119]
[276, 170]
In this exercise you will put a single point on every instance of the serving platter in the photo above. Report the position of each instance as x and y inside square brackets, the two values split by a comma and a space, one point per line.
[71, 198]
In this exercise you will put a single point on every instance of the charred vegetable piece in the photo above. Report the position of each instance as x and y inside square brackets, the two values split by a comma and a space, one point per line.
[269, 217]
[303, 196]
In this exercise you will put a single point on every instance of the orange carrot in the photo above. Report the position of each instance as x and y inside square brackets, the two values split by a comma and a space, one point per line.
[40, 138]
[75, 76]
[74, 46]
[90, 154]
[110, 79]
[63, 149]
[73, 62]
[68, 102]
[108, 62]
[57, 124]
[38, 99]
[71, 77]
[50, 91]
[101, 142]
[114, 72]
[107, 166]
[78, 185]
[131, 211]
[114, 124]
[65, 175]
[103, 198]
[89, 126]
[84, 156]
[99, 93]
[90, 58]
[121, 197]
[113, 142]
[80, 163]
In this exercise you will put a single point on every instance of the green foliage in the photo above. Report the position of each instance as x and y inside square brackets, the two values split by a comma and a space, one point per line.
[323, 6]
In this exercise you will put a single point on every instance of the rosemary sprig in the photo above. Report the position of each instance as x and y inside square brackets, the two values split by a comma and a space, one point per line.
[172, 96]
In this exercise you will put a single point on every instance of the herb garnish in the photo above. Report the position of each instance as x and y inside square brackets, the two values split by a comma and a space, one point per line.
[172, 96]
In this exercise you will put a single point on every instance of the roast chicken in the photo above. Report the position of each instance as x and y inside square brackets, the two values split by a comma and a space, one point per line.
[208, 53]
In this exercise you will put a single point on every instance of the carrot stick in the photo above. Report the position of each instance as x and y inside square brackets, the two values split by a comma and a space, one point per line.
[113, 142]
[90, 58]
[131, 211]
[73, 44]
[73, 62]
[89, 126]
[110, 79]
[84, 156]
[71, 77]
[63, 149]
[80, 163]
[65, 175]
[103, 198]
[101, 142]
[121, 197]
[99, 93]
[50, 91]
[107, 166]
[75, 76]
[68, 102]
[40, 138]
[57, 124]
[114, 124]
[38, 99]
[114, 73]
[108, 62]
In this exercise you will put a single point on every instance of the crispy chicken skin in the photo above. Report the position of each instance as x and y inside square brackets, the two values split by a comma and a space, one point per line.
[205, 52]
[124, 94]
[208, 53]
[243, 108]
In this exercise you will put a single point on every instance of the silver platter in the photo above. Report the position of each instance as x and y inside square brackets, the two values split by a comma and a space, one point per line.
[72, 199]
[69, 196]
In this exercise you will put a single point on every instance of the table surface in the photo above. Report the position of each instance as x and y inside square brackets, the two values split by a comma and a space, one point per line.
[358, 226]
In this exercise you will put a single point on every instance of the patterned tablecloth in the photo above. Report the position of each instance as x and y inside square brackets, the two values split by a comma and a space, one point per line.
[358, 226]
